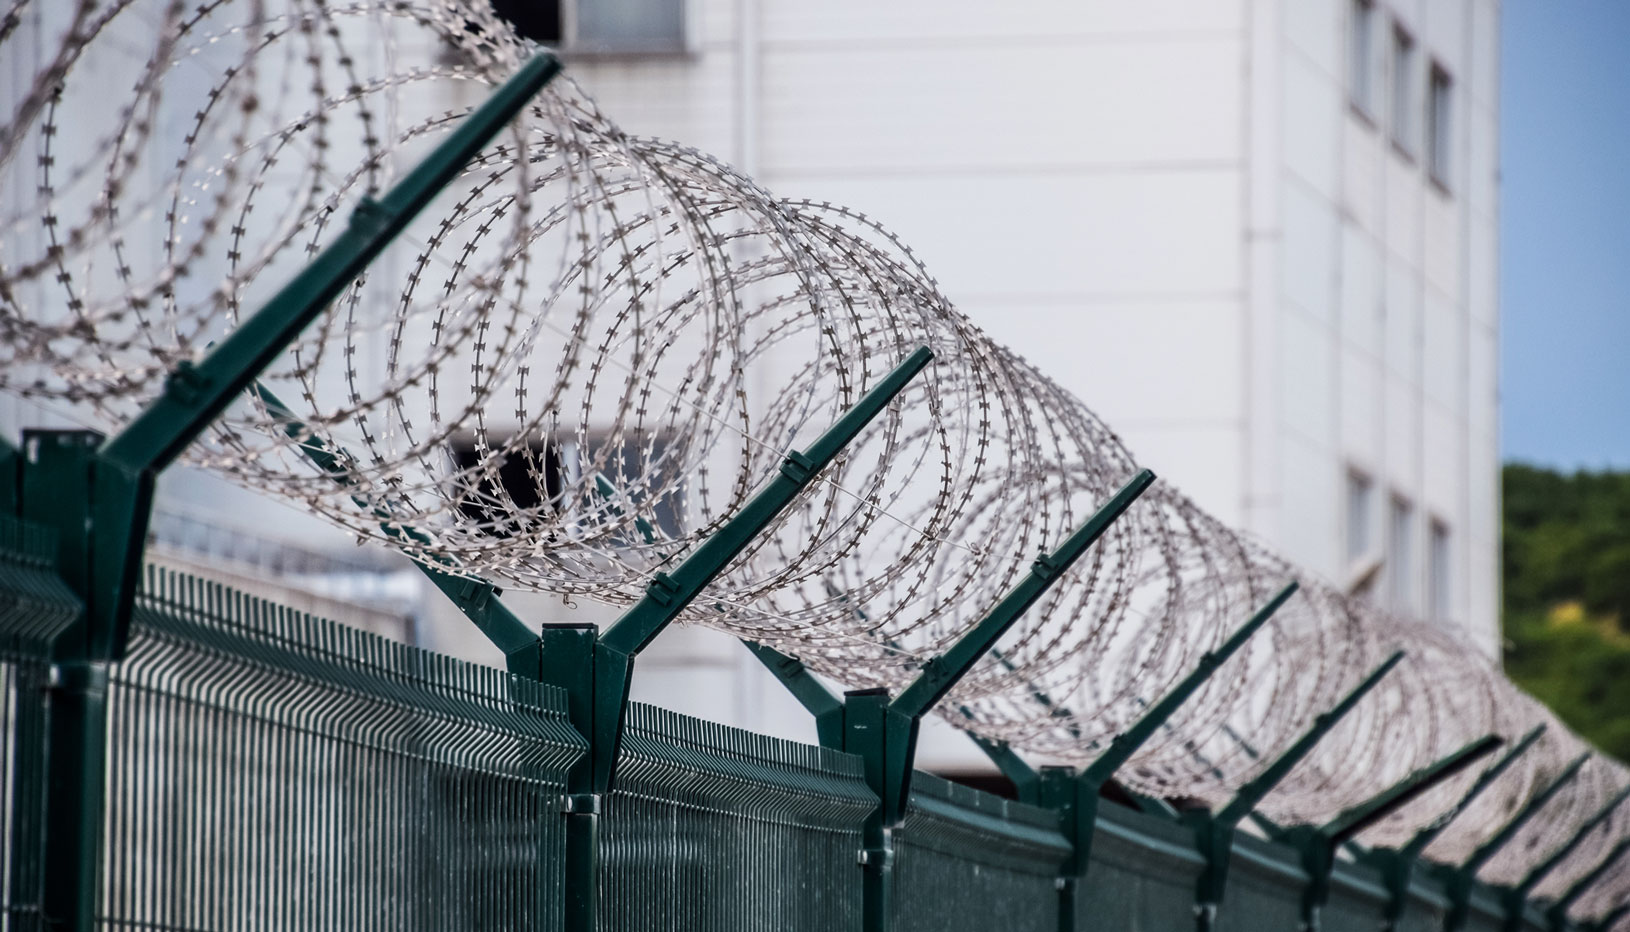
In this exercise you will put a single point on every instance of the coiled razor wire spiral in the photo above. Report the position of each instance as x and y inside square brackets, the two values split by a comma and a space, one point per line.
[595, 347]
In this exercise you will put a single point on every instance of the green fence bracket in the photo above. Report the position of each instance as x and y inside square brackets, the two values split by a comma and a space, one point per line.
[1557, 913]
[670, 593]
[1214, 832]
[1397, 865]
[1515, 898]
[1026, 780]
[1078, 796]
[1460, 880]
[815, 698]
[98, 494]
[940, 674]
[1318, 844]
[476, 598]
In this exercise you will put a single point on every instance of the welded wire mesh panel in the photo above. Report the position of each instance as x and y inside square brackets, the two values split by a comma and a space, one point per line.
[1265, 884]
[271, 770]
[35, 606]
[965, 859]
[22, 770]
[714, 828]
[1141, 876]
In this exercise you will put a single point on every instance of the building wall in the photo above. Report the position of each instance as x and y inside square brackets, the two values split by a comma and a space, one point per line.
[1255, 286]
[1174, 209]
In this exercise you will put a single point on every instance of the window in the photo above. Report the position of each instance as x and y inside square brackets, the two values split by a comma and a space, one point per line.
[1361, 56]
[525, 476]
[1403, 91]
[1439, 124]
[1360, 498]
[1401, 555]
[623, 27]
[1438, 596]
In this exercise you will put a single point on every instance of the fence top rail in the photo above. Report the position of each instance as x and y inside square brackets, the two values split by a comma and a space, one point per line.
[179, 614]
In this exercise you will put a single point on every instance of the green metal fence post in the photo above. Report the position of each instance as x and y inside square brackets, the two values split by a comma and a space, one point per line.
[1214, 832]
[102, 522]
[1557, 913]
[866, 734]
[670, 593]
[940, 674]
[1397, 866]
[1078, 797]
[1460, 879]
[1318, 844]
[1515, 899]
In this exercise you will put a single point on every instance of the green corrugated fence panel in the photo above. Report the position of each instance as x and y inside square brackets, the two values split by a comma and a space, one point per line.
[967, 859]
[1358, 899]
[1265, 883]
[1142, 874]
[271, 770]
[714, 828]
[35, 604]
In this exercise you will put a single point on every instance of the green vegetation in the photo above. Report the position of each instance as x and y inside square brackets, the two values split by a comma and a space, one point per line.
[1566, 563]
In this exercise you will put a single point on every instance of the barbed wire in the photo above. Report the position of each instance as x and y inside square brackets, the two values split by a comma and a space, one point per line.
[595, 346]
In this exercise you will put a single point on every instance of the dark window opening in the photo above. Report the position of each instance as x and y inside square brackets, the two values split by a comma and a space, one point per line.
[526, 478]
[538, 20]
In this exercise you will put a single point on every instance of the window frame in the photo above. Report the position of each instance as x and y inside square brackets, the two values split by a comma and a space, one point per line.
[1439, 139]
[1439, 570]
[1401, 95]
[1402, 578]
[1362, 19]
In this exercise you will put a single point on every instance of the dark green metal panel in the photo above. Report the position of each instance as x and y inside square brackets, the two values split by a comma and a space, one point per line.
[35, 604]
[268, 769]
[717, 830]
[969, 860]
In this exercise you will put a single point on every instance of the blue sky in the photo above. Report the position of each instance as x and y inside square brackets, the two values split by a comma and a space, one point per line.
[1565, 233]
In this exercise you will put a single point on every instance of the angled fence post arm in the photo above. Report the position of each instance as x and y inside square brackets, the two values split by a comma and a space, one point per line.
[1558, 911]
[670, 593]
[1486, 779]
[1081, 803]
[1214, 832]
[1398, 865]
[815, 698]
[1461, 878]
[940, 674]
[1126, 744]
[113, 511]
[1258, 789]
[1026, 780]
[1360, 817]
[127, 464]
[477, 598]
[1503, 837]
[1318, 845]
[1539, 873]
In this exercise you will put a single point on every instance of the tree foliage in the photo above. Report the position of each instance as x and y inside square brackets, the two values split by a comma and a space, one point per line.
[1566, 566]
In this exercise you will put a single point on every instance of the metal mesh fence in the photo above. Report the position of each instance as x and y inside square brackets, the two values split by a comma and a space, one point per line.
[969, 860]
[271, 770]
[35, 607]
[714, 828]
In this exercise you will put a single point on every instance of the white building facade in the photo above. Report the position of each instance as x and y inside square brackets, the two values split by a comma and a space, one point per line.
[1258, 237]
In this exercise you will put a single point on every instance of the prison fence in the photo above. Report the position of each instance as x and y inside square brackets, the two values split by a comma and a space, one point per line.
[181, 756]
[270, 770]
